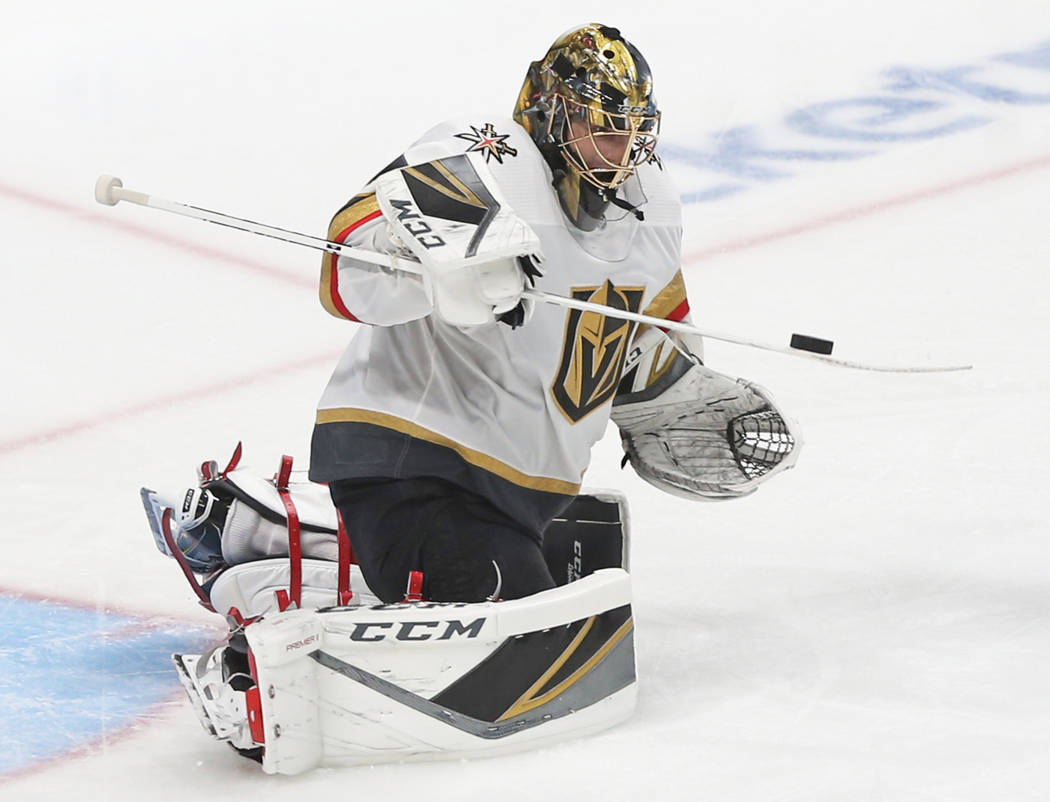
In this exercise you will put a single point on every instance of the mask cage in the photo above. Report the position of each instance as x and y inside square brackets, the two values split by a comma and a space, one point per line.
[641, 132]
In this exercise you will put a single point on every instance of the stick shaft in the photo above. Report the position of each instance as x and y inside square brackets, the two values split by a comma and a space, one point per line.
[118, 193]
[688, 328]
[252, 227]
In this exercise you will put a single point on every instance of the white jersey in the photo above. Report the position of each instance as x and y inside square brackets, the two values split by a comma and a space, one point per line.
[510, 414]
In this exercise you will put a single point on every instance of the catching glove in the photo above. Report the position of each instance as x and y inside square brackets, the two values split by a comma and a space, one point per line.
[697, 433]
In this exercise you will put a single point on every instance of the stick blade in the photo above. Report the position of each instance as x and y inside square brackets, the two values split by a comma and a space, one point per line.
[815, 345]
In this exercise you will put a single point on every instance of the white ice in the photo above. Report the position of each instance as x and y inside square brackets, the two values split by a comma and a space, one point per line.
[873, 625]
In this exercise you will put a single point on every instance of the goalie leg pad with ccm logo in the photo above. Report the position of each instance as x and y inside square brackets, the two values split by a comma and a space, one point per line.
[346, 686]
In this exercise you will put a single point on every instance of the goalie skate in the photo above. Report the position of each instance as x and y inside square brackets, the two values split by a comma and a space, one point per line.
[221, 710]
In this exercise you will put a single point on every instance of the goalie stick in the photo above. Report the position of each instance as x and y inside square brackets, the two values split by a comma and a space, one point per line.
[109, 191]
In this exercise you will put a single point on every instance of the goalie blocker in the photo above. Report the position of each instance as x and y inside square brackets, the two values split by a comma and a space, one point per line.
[477, 257]
[300, 684]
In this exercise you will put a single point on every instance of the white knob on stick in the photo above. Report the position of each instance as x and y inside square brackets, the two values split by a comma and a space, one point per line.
[109, 191]
[105, 189]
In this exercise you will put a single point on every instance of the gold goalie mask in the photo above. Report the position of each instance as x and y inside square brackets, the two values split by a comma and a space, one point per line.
[588, 104]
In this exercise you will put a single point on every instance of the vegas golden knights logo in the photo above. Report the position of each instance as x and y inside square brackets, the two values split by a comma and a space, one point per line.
[594, 350]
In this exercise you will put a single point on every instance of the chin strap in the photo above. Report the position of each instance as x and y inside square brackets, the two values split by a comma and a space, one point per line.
[607, 195]
[611, 196]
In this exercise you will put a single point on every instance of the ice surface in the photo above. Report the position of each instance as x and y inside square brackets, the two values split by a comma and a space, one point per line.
[872, 625]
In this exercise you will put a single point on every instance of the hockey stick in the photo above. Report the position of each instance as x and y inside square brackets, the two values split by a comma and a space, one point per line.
[109, 191]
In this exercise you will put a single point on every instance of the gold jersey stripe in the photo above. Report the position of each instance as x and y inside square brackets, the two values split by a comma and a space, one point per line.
[669, 298]
[475, 458]
[359, 207]
[327, 290]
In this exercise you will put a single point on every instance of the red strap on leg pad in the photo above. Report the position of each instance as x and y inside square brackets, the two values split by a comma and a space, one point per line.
[295, 549]
[235, 460]
[180, 558]
[346, 557]
[255, 719]
[414, 591]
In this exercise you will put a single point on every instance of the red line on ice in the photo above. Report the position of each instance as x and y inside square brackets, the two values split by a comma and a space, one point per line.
[844, 216]
[864, 210]
[115, 222]
[150, 405]
[144, 620]
[99, 743]
[141, 622]
[102, 419]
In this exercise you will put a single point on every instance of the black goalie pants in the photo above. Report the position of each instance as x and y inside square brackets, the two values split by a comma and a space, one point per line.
[467, 549]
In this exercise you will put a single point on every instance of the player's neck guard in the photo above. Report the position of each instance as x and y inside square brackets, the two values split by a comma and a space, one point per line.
[603, 222]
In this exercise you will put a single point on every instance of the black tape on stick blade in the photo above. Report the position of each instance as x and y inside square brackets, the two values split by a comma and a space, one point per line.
[815, 345]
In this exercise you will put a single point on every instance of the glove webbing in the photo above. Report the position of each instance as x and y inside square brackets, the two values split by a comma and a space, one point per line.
[760, 440]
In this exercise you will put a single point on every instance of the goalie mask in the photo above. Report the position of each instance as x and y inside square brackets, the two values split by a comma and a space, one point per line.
[588, 104]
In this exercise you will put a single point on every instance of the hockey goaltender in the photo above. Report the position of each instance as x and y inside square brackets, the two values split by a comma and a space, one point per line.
[441, 586]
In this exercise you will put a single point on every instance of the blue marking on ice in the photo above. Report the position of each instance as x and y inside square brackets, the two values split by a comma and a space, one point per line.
[914, 104]
[69, 675]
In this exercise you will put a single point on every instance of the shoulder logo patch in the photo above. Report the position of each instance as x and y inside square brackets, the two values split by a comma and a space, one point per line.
[487, 141]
